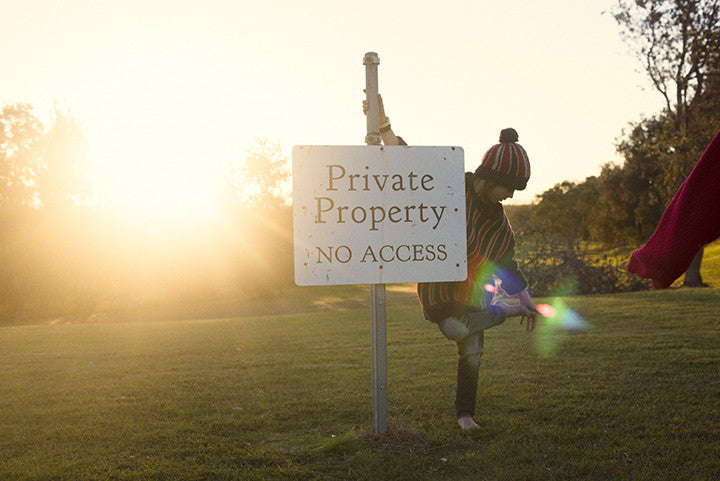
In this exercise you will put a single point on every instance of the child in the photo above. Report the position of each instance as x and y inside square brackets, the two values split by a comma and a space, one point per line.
[462, 310]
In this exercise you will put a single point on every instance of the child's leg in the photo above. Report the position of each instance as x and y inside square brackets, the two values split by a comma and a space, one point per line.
[470, 350]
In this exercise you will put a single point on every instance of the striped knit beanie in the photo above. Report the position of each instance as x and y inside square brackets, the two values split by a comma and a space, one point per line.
[506, 163]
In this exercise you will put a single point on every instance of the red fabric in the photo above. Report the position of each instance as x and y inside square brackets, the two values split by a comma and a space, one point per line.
[691, 220]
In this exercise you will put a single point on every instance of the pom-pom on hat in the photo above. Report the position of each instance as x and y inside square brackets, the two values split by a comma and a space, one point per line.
[506, 163]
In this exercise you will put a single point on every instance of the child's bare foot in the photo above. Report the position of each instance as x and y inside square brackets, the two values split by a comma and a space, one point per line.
[466, 423]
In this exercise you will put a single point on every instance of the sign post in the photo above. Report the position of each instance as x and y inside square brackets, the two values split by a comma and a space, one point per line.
[378, 215]
[377, 291]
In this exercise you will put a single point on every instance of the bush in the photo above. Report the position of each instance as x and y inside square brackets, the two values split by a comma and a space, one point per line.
[554, 266]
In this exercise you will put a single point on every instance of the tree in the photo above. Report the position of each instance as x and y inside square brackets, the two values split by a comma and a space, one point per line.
[263, 178]
[678, 42]
[679, 45]
[563, 210]
[20, 136]
[258, 199]
[38, 166]
[642, 188]
[65, 174]
[39, 170]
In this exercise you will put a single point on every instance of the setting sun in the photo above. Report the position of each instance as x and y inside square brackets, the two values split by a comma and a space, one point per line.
[157, 166]
[187, 189]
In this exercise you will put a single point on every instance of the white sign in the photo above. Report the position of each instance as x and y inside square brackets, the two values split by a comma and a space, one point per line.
[378, 215]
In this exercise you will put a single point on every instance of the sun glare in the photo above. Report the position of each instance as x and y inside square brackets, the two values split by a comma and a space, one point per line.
[162, 197]
[183, 191]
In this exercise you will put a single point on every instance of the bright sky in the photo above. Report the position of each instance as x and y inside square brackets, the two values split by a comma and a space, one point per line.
[170, 90]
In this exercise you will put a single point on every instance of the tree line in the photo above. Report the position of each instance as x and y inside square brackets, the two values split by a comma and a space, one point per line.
[63, 252]
[678, 45]
[66, 251]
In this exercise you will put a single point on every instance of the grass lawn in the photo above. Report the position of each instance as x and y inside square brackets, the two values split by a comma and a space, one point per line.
[288, 396]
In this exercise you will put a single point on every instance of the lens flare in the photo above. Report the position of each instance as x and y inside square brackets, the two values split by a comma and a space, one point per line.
[560, 320]
[546, 310]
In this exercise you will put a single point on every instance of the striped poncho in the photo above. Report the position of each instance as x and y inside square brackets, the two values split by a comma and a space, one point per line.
[490, 251]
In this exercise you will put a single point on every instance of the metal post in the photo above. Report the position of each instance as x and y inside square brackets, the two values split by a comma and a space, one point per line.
[371, 62]
[379, 358]
[377, 291]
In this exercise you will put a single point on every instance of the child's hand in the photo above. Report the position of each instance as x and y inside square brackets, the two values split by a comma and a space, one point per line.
[366, 107]
[525, 299]
[513, 310]
[529, 318]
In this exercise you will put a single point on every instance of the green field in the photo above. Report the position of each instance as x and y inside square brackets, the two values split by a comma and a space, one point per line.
[283, 392]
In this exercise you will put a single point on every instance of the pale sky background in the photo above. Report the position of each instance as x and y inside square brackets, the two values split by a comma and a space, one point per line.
[170, 90]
